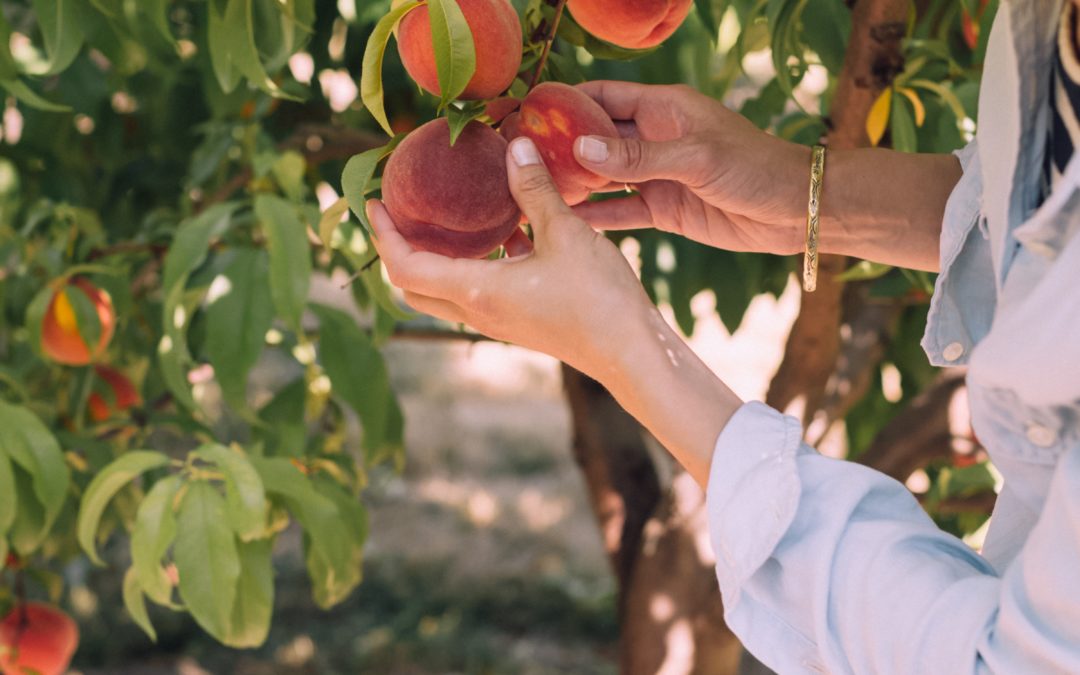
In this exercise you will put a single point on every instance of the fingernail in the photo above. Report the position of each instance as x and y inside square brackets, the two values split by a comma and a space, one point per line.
[524, 152]
[593, 149]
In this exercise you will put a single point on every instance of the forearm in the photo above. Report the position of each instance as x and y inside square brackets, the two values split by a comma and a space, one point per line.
[886, 206]
[659, 380]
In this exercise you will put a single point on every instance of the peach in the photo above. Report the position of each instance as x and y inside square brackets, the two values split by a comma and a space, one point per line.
[37, 638]
[60, 337]
[121, 396]
[553, 115]
[497, 37]
[454, 201]
[634, 24]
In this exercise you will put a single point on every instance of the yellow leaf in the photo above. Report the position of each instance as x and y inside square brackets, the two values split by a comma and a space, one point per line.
[878, 119]
[917, 104]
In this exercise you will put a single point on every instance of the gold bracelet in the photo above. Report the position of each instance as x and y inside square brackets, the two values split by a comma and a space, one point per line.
[813, 215]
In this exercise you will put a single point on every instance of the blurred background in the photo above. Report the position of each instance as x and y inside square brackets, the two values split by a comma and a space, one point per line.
[519, 521]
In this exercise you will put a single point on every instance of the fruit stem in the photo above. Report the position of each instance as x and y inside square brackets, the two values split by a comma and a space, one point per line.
[547, 44]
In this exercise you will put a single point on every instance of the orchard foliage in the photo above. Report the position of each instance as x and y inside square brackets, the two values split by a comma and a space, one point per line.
[164, 157]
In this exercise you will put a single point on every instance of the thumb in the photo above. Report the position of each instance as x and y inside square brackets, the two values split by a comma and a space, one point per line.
[632, 160]
[535, 191]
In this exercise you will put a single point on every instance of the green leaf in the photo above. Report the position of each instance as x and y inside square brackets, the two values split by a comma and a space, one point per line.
[288, 170]
[864, 270]
[902, 126]
[329, 552]
[220, 39]
[7, 495]
[290, 256]
[243, 53]
[459, 118]
[573, 33]
[31, 446]
[24, 93]
[9, 70]
[104, 487]
[207, 559]
[827, 29]
[60, 28]
[784, 16]
[86, 315]
[357, 374]
[153, 534]
[188, 251]
[455, 53]
[158, 11]
[357, 175]
[331, 218]
[239, 312]
[944, 93]
[31, 526]
[135, 603]
[371, 84]
[243, 490]
[706, 13]
[254, 605]
[331, 585]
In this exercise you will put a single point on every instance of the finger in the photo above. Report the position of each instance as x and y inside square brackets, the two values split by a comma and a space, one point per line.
[518, 244]
[440, 309]
[632, 160]
[533, 188]
[621, 100]
[627, 213]
[627, 129]
[419, 271]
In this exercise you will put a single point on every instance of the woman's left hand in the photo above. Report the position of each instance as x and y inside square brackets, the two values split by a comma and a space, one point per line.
[574, 296]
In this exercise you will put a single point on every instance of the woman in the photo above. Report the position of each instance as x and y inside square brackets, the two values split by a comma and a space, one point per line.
[825, 565]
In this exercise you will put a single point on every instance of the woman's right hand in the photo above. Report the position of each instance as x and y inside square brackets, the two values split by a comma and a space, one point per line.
[698, 169]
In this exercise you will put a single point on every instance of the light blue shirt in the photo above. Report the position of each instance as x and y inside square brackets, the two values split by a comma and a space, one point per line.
[827, 566]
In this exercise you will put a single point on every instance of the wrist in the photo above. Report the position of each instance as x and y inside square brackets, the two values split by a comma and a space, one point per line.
[659, 380]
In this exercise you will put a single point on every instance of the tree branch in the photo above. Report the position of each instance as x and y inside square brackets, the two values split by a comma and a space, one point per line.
[548, 40]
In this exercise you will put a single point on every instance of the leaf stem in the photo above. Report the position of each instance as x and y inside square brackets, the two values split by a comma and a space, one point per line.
[547, 45]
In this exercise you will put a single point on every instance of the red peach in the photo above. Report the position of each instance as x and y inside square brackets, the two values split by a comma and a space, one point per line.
[456, 200]
[37, 638]
[60, 337]
[634, 24]
[497, 38]
[554, 115]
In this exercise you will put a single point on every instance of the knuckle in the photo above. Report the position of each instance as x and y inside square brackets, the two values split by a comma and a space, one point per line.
[535, 183]
[633, 154]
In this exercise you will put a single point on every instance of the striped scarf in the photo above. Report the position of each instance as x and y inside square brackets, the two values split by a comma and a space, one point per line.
[1064, 102]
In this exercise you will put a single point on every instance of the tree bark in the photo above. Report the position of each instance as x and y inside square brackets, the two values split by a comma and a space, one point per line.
[873, 60]
[669, 605]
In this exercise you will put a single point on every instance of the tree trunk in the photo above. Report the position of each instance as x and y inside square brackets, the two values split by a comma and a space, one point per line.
[655, 535]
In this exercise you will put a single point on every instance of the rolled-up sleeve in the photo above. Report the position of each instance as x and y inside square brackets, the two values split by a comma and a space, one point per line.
[828, 566]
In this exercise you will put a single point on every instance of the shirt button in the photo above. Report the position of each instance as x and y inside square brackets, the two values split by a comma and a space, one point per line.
[1041, 436]
[953, 352]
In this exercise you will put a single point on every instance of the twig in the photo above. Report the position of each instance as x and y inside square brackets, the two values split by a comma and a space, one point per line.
[547, 44]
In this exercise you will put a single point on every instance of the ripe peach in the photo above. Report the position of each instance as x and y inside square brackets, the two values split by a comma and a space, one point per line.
[37, 638]
[60, 337]
[454, 201]
[497, 37]
[635, 25]
[124, 395]
[554, 115]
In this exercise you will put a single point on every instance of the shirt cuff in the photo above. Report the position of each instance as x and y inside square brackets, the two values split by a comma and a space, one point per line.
[753, 492]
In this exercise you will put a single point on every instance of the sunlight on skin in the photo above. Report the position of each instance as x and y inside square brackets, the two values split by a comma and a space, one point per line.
[679, 640]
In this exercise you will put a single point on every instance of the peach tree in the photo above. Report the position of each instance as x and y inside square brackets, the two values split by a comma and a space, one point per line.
[175, 173]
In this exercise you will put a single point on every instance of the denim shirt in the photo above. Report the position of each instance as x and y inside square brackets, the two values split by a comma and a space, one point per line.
[828, 566]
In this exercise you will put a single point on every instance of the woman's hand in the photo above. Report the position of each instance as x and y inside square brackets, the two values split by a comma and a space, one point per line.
[572, 296]
[699, 169]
